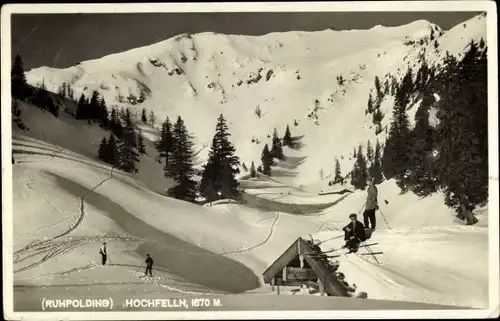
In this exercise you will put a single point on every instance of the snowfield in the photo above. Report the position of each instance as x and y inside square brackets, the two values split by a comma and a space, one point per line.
[202, 75]
[66, 202]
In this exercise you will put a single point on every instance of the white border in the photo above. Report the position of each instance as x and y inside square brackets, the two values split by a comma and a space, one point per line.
[449, 6]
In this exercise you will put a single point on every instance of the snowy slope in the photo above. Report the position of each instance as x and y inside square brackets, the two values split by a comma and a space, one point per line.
[230, 245]
[202, 75]
[73, 202]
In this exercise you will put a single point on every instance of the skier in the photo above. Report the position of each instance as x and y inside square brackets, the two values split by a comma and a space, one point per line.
[354, 233]
[371, 205]
[103, 253]
[149, 266]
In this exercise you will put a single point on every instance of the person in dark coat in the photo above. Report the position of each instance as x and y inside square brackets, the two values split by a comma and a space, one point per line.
[149, 265]
[354, 233]
[104, 253]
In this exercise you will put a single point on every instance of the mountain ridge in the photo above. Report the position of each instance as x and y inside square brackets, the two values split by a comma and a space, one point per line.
[291, 76]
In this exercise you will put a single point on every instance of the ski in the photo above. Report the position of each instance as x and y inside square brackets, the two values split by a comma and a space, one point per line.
[372, 253]
[342, 248]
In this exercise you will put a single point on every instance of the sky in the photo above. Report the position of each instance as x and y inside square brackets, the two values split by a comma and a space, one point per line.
[63, 40]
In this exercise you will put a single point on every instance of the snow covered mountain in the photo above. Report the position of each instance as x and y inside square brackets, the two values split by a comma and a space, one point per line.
[74, 202]
[292, 77]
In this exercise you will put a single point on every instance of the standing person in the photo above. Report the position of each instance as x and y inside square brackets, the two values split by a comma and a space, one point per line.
[354, 233]
[371, 205]
[104, 253]
[149, 266]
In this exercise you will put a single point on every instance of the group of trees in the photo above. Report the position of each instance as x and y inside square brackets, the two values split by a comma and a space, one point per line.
[175, 147]
[93, 108]
[366, 167]
[151, 120]
[451, 154]
[276, 151]
[125, 142]
[38, 96]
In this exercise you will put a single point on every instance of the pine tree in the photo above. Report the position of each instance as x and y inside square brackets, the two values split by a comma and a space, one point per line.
[222, 165]
[19, 84]
[180, 167]
[103, 113]
[94, 106]
[81, 109]
[152, 118]
[112, 151]
[277, 150]
[253, 173]
[354, 154]
[370, 104]
[396, 153]
[378, 88]
[165, 141]
[369, 151]
[463, 131]
[140, 143]
[338, 174]
[128, 157]
[102, 149]
[144, 118]
[115, 123]
[375, 169]
[359, 176]
[287, 139]
[266, 159]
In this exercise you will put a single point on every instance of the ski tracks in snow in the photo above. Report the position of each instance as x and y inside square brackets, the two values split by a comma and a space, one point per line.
[52, 246]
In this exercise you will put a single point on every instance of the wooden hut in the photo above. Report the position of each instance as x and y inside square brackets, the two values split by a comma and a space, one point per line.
[302, 263]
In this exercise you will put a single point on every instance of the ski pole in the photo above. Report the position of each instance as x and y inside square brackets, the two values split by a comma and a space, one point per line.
[370, 251]
[139, 268]
[384, 218]
[362, 207]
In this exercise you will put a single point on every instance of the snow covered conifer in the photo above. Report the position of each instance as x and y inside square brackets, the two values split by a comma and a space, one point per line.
[128, 157]
[375, 169]
[370, 104]
[81, 109]
[395, 159]
[338, 174]
[19, 84]
[359, 175]
[222, 163]
[112, 151]
[287, 139]
[102, 149]
[266, 159]
[463, 131]
[277, 150]
[152, 118]
[144, 118]
[180, 167]
[369, 151]
[253, 173]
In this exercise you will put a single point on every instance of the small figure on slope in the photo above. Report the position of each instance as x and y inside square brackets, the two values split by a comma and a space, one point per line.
[149, 266]
[354, 233]
[104, 253]
[371, 205]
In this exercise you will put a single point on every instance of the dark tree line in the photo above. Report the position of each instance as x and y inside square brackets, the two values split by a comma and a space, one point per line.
[38, 96]
[218, 179]
[367, 167]
[268, 155]
[125, 143]
[451, 154]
